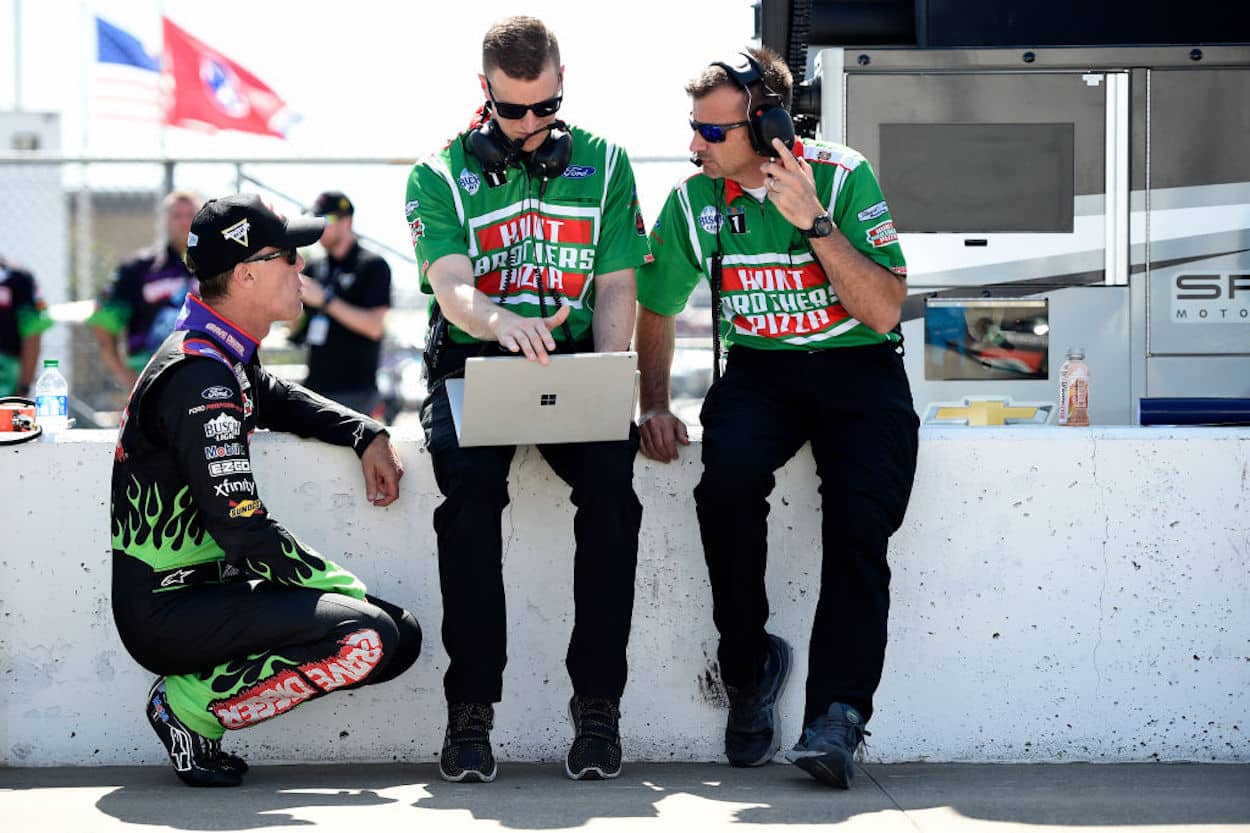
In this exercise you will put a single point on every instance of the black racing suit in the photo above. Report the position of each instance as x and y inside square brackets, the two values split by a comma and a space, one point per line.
[245, 620]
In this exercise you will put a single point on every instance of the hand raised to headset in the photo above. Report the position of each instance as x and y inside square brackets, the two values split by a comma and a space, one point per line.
[791, 187]
[531, 336]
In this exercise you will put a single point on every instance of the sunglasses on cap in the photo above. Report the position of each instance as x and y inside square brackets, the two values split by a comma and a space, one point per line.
[289, 254]
[714, 133]
[507, 110]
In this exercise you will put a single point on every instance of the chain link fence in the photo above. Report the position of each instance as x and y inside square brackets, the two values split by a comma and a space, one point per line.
[72, 221]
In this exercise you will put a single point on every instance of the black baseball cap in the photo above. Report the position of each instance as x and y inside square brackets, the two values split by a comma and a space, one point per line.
[231, 229]
[332, 202]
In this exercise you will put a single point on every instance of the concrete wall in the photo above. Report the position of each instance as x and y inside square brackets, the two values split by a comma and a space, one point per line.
[1059, 595]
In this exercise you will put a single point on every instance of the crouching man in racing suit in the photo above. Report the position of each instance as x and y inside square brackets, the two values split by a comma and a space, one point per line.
[243, 620]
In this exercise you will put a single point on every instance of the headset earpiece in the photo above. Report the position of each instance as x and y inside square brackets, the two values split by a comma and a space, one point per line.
[549, 159]
[492, 149]
[767, 118]
[496, 152]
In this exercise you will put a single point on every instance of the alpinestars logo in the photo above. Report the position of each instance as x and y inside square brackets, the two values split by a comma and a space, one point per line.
[177, 577]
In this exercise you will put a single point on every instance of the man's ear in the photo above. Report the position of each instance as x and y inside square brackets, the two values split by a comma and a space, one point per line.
[242, 276]
[482, 80]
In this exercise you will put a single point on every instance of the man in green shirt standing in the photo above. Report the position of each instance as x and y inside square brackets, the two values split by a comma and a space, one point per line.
[807, 281]
[23, 319]
[527, 232]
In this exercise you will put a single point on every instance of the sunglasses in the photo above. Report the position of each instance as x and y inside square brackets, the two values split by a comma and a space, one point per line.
[507, 110]
[715, 133]
[289, 254]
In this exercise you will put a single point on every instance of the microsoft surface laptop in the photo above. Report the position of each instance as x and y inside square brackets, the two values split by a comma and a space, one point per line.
[582, 397]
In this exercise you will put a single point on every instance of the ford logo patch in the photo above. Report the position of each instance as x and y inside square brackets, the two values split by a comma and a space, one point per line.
[579, 171]
[217, 392]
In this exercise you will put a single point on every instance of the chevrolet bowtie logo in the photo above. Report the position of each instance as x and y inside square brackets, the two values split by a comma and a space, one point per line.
[987, 411]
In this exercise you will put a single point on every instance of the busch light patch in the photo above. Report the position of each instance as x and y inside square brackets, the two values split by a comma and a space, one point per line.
[469, 181]
[578, 171]
[710, 220]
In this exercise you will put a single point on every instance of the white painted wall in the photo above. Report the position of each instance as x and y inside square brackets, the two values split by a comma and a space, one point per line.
[1059, 595]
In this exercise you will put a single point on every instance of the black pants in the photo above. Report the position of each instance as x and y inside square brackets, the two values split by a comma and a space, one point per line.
[854, 405]
[474, 482]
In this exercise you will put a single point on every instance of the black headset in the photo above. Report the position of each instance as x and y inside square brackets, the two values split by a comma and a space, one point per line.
[766, 119]
[496, 152]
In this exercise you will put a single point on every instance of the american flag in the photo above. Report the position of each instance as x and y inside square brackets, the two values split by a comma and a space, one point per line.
[126, 83]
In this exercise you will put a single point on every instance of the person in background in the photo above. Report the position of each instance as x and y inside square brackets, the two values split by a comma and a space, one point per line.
[346, 296]
[492, 215]
[143, 300]
[23, 318]
[808, 282]
[241, 620]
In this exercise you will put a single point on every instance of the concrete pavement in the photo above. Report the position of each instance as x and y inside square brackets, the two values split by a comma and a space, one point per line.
[908, 798]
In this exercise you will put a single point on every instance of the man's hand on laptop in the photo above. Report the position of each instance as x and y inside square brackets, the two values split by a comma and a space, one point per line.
[661, 433]
[531, 336]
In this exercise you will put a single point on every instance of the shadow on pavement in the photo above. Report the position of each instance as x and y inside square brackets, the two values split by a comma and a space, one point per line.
[898, 797]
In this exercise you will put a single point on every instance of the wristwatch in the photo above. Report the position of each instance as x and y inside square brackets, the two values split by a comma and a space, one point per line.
[822, 226]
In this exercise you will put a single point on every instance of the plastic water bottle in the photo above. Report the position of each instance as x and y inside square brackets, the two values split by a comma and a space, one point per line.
[52, 399]
[1074, 389]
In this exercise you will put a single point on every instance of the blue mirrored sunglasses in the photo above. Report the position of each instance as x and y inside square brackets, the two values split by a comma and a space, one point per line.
[714, 133]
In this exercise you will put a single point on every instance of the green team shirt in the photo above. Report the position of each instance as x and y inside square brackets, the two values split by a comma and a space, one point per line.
[774, 293]
[586, 223]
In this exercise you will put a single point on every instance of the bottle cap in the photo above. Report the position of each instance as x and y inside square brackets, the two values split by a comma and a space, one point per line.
[51, 363]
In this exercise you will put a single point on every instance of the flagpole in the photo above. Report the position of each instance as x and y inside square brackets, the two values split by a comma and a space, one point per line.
[82, 199]
[169, 167]
[17, 55]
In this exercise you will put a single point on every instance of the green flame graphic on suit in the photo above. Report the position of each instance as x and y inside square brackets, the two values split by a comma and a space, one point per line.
[192, 695]
[303, 566]
[163, 533]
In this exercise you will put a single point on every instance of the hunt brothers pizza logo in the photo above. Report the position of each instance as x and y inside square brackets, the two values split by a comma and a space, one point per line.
[780, 302]
[517, 251]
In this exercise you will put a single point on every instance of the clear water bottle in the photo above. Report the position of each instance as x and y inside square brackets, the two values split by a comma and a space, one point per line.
[51, 399]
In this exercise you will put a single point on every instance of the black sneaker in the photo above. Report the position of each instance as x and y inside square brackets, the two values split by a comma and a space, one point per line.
[596, 750]
[197, 760]
[466, 747]
[751, 737]
[826, 751]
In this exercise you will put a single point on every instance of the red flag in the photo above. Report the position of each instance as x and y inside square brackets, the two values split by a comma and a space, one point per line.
[210, 91]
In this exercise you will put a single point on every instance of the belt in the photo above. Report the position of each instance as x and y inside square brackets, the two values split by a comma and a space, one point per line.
[210, 572]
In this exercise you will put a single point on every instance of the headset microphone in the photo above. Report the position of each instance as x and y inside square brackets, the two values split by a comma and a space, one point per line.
[695, 160]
